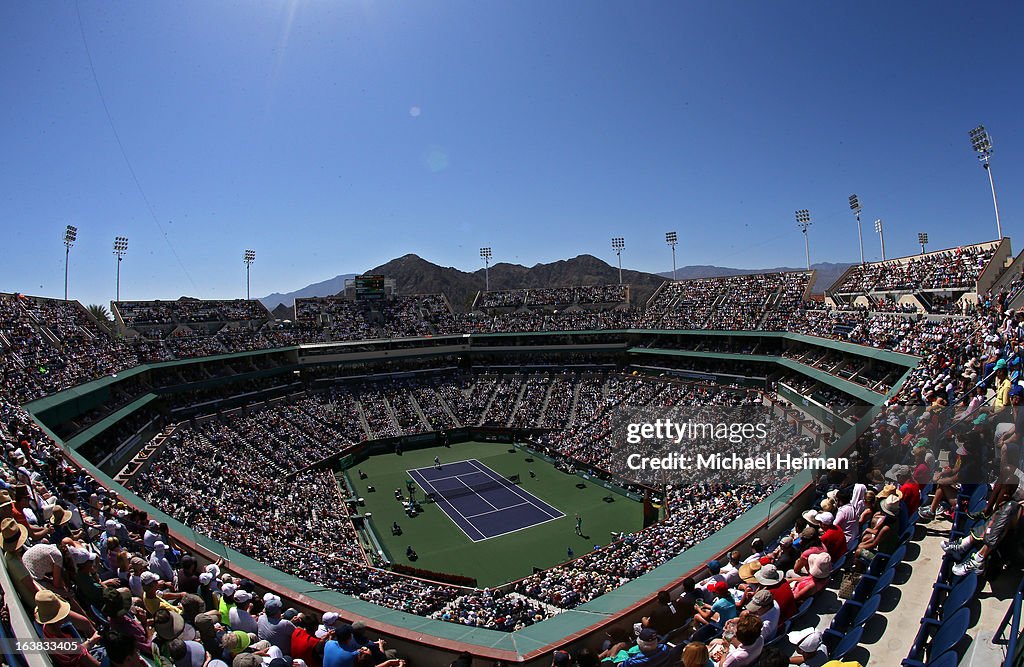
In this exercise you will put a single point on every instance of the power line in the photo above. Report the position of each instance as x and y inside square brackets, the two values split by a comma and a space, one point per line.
[124, 154]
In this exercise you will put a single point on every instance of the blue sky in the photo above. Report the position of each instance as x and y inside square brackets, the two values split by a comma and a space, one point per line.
[333, 136]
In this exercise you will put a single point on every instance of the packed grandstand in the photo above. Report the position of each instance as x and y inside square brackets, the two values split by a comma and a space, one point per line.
[911, 363]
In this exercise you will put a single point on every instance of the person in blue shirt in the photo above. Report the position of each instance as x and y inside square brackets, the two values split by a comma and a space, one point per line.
[340, 650]
[722, 610]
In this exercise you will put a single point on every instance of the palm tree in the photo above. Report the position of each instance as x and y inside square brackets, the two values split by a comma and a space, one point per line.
[101, 314]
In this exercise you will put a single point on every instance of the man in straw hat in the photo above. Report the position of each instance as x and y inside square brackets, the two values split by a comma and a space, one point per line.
[14, 536]
[774, 581]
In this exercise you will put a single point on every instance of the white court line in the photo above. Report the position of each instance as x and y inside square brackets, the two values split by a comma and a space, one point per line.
[513, 489]
[438, 479]
[423, 482]
[475, 494]
[501, 509]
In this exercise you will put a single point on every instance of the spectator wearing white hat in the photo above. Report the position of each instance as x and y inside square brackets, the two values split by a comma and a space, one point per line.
[810, 648]
[158, 563]
[225, 601]
[239, 616]
[152, 535]
[154, 599]
[832, 536]
[87, 582]
[327, 624]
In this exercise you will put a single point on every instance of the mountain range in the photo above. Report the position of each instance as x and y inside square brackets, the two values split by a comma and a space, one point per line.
[415, 275]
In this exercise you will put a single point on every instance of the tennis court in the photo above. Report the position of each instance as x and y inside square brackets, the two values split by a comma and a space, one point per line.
[482, 503]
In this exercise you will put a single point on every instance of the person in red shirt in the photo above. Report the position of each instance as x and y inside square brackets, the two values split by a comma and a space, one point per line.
[305, 641]
[910, 489]
[832, 538]
[772, 579]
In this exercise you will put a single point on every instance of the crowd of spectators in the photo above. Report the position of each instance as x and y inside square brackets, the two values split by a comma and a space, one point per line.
[137, 314]
[727, 303]
[956, 268]
[77, 551]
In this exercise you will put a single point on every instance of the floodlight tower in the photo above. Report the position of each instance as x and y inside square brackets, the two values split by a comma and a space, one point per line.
[803, 221]
[672, 239]
[70, 235]
[981, 142]
[618, 244]
[248, 257]
[922, 238]
[881, 235]
[120, 248]
[855, 207]
[486, 254]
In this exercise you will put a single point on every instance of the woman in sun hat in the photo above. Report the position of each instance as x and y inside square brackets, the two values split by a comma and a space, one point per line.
[819, 570]
[51, 612]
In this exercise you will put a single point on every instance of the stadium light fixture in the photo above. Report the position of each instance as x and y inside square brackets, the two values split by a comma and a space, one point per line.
[981, 142]
[803, 222]
[120, 248]
[922, 238]
[618, 245]
[672, 239]
[70, 236]
[248, 257]
[855, 207]
[881, 236]
[486, 254]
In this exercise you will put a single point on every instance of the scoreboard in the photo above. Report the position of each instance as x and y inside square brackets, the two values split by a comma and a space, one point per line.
[369, 288]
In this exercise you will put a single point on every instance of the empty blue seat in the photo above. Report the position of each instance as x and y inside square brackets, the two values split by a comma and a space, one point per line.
[958, 595]
[854, 613]
[848, 642]
[950, 632]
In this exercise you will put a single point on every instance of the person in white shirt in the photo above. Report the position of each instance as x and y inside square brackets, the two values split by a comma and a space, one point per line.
[240, 618]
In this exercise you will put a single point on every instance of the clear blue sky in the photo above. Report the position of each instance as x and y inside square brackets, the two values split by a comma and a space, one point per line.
[333, 136]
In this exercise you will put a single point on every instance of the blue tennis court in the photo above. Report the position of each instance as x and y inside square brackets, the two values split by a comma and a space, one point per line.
[482, 503]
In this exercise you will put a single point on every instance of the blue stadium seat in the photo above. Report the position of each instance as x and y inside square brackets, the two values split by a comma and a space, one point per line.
[947, 659]
[848, 642]
[950, 632]
[869, 585]
[882, 561]
[956, 596]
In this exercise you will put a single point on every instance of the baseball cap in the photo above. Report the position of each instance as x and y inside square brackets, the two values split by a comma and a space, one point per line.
[243, 596]
[648, 635]
[149, 578]
[762, 600]
[714, 566]
[561, 659]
